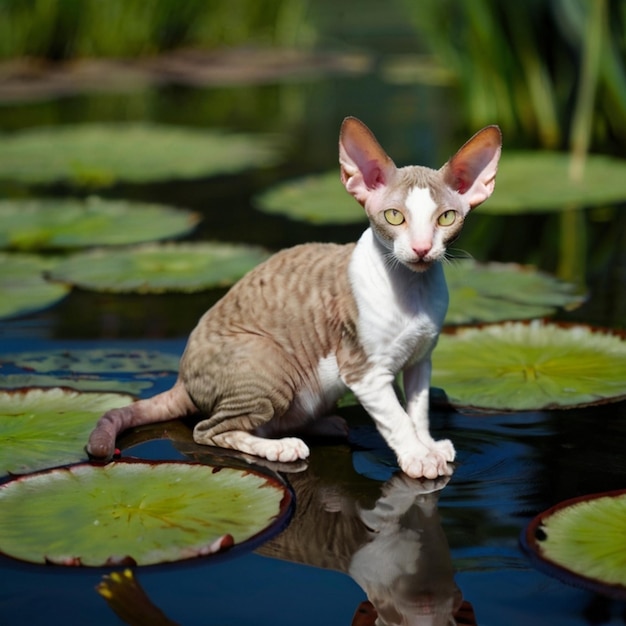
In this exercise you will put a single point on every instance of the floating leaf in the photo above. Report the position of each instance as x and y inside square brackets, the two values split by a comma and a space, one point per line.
[91, 361]
[78, 382]
[583, 541]
[135, 512]
[42, 428]
[519, 367]
[120, 370]
[539, 182]
[70, 223]
[23, 288]
[97, 155]
[496, 292]
[319, 199]
[159, 268]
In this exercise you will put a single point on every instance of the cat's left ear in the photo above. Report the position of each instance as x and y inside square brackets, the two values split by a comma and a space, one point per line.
[365, 166]
[471, 172]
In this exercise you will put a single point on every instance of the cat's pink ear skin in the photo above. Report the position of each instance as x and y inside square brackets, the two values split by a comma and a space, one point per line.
[365, 166]
[471, 172]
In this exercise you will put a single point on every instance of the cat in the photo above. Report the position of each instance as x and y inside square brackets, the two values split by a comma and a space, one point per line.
[273, 356]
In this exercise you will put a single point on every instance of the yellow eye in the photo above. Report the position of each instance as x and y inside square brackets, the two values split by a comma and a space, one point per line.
[447, 218]
[394, 217]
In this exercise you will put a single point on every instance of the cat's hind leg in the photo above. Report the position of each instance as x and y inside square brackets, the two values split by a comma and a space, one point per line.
[284, 450]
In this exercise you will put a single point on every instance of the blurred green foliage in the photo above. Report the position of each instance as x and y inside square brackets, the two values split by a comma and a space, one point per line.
[62, 29]
[530, 65]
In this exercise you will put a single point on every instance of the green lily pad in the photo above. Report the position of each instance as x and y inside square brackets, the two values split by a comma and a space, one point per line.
[159, 268]
[495, 292]
[98, 155]
[79, 382]
[69, 223]
[135, 512]
[42, 428]
[539, 182]
[319, 199]
[123, 371]
[519, 366]
[23, 288]
[583, 542]
[91, 361]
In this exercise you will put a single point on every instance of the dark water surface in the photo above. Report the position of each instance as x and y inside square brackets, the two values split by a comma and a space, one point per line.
[431, 543]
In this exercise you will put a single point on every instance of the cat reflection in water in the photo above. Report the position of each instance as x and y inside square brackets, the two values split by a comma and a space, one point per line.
[266, 364]
[396, 551]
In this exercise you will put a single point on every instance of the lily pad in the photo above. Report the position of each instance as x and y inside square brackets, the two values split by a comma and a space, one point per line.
[519, 366]
[319, 199]
[23, 288]
[159, 268]
[99, 155]
[125, 371]
[92, 361]
[78, 382]
[41, 428]
[69, 223]
[582, 541]
[539, 182]
[136, 512]
[496, 292]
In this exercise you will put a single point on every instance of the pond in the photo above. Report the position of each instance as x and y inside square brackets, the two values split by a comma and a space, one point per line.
[444, 540]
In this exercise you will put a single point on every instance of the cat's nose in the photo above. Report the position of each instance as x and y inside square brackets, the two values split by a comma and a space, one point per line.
[421, 250]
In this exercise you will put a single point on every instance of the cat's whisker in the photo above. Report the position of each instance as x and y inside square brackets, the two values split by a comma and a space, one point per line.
[455, 254]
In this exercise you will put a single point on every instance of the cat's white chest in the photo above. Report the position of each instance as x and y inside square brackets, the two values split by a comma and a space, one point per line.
[400, 312]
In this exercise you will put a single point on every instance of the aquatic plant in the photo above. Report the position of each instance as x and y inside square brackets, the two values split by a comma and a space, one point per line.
[136, 512]
[582, 541]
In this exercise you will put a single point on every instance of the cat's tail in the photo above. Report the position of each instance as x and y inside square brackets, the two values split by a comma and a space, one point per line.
[162, 407]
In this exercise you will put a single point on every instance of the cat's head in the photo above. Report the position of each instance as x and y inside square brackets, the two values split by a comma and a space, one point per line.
[416, 211]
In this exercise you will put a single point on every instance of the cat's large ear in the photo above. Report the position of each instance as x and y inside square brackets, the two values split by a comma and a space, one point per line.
[365, 166]
[471, 172]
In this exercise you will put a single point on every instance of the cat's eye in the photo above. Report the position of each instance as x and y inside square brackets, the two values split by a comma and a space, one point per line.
[394, 217]
[447, 218]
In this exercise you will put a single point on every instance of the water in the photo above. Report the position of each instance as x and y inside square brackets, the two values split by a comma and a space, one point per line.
[511, 467]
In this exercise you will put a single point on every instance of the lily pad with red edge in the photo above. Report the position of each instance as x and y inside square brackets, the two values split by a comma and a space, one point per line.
[582, 541]
[41, 428]
[137, 513]
[517, 366]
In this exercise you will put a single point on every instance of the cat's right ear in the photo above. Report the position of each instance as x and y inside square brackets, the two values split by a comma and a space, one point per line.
[365, 166]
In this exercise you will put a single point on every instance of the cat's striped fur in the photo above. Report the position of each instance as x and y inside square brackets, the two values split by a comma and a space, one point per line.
[273, 356]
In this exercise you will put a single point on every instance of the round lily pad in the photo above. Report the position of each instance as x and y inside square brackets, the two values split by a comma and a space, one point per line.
[495, 292]
[92, 361]
[23, 288]
[159, 268]
[42, 428]
[319, 199]
[582, 541]
[98, 155]
[70, 223]
[519, 366]
[121, 370]
[539, 181]
[135, 512]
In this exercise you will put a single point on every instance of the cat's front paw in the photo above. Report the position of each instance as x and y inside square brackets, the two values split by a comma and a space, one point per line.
[432, 464]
